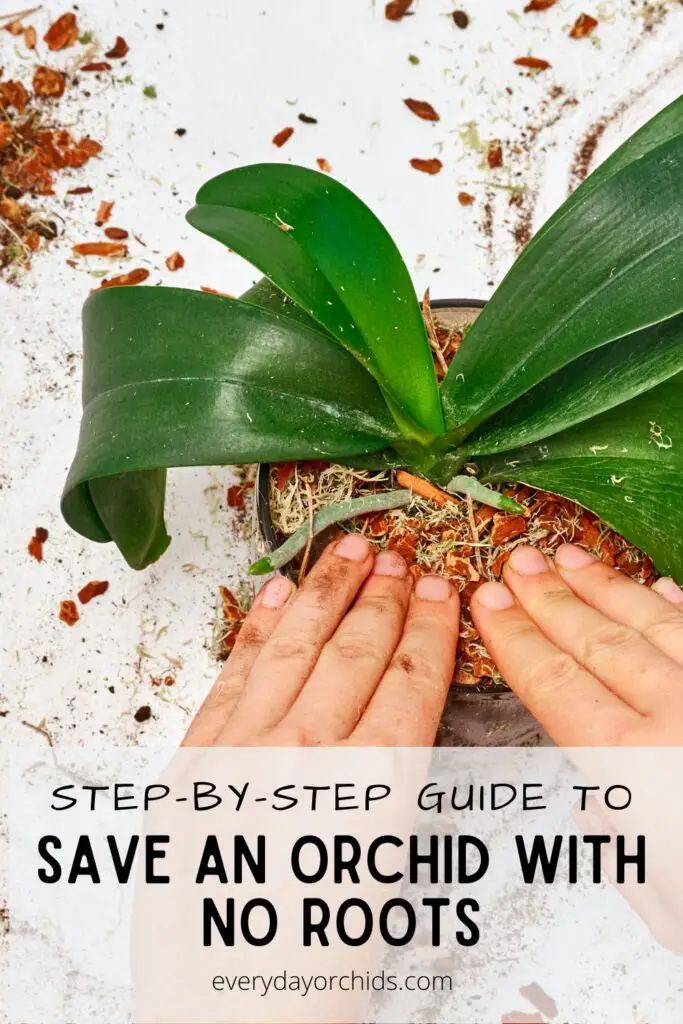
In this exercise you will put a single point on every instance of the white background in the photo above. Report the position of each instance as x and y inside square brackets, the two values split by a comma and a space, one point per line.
[233, 73]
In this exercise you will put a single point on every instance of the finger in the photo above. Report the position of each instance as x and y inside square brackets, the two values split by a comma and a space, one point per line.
[573, 706]
[263, 617]
[406, 707]
[354, 660]
[657, 613]
[286, 660]
[618, 655]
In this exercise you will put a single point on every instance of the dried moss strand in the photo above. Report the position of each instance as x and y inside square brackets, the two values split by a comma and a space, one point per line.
[336, 513]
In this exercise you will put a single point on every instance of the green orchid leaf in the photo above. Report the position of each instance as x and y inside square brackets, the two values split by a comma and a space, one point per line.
[182, 378]
[608, 267]
[266, 296]
[323, 247]
[665, 125]
[592, 384]
[626, 465]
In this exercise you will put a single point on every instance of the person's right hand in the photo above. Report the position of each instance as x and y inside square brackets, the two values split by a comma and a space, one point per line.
[596, 657]
[598, 660]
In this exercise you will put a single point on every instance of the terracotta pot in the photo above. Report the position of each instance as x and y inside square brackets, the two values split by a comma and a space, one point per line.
[486, 716]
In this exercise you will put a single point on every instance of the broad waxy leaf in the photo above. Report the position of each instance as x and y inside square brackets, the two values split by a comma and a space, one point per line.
[181, 378]
[665, 125]
[608, 267]
[625, 465]
[323, 247]
[592, 384]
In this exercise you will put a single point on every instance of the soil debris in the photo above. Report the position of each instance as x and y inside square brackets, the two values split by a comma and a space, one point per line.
[465, 198]
[461, 19]
[34, 149]
[116, 234]
[143, 714]
[307, 119]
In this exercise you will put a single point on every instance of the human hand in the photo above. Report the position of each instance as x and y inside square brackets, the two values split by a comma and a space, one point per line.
[357, 655]
[597, 658]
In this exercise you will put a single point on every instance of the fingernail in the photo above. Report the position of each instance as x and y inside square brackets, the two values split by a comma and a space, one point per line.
[433, 588]
[353, 546]
[494, 596]
[528, 561]
[569, 556]
[389, 563]
[276, 592]
[668, 589]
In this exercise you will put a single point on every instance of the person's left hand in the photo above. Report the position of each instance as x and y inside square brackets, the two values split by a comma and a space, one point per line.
[356, 655]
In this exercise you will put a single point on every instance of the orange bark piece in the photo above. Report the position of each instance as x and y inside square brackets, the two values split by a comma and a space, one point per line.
[62, 33]
[507, 528]
[282, 136]
[533, 63]
[539, 5]
[126, 280]
[100, 249]
[68, 612]
[422, 487]
[583, 26]
[30, 38]
[119, 49]
[465, 198]
[104, 212]
[176, 261]
[232, 609]
[422, 109]
[235, 496]
[48, 83]
[93, 589]
[430, 166]
[494, 154]
[29, 174]
[324, 164]
[285, 472]
[13, 94]
[397, 9]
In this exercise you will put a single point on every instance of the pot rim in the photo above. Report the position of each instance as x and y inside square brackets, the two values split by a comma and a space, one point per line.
[265, 524]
